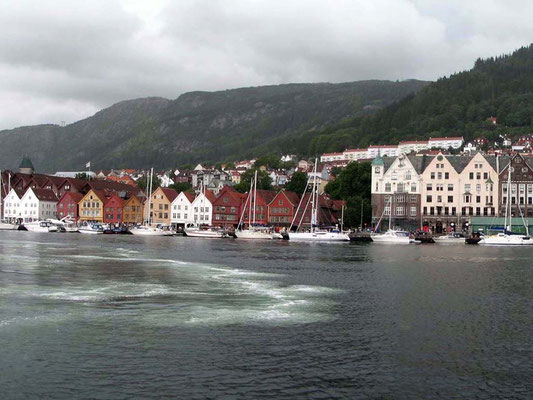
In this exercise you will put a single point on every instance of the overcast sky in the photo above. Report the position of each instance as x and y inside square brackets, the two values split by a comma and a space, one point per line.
[65, 60]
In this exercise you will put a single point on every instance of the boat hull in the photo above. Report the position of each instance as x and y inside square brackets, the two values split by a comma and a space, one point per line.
[248, 234]
[318, 237]
[8, 227]
[506, 240]
[203, 233]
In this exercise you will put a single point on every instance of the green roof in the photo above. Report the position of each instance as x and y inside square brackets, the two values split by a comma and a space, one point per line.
[26, 163]
[378, 161]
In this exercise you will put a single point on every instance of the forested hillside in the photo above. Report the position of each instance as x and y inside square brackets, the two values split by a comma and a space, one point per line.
[198, 126]
[501, 87]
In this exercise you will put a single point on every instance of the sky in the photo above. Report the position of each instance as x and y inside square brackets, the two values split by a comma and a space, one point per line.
[63, 60]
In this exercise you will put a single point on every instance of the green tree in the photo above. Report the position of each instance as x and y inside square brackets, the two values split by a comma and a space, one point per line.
[230, 165]
[83, 175]
[143, 181]
[182, 187]
[298, 182]
[269, 161]
[263, 180]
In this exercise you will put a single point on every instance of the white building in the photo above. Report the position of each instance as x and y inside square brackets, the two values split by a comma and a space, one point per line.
[446, 142]
[181, 209]
[165, 178]
[415, 146]
[355, 154]
[38, 204]
[202, 207]
[385, 150]
[326, 157]
[12, 206]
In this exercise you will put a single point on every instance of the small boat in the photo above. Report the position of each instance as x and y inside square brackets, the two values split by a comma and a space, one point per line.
[41, 226]
[360, 237]
[92, 229]
[393, 236]
[451, 238]
[474, 239]
[424, 237]
[6, 226]
[144, 230]
[192, 230]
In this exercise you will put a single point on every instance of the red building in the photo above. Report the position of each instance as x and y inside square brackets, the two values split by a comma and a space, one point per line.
[113, 208]
[68, 205]
[282, 207]
[227, 207]
[263, 198]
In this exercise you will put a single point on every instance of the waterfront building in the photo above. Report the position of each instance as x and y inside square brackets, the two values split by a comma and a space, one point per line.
[133, 210]
[182, 209]
[11, 205]
[202, 208]
[160, 205]
[91, 206]
[113, 209]
[396, 190]
[282, 207]
[227, 207]
[520, 194]
[263, 199]
[37, 204]
[68, 205]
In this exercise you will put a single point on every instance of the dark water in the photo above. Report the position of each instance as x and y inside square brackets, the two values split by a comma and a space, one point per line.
[117, 317]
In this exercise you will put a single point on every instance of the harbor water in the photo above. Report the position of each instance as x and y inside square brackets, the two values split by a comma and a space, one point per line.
[122, 317]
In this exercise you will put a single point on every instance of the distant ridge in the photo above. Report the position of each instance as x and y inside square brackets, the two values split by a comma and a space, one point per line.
[200, 126]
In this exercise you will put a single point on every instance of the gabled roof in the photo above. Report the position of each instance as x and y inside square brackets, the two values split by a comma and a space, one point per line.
[115, 197]
[190, 196]
[419, 163]
[293, 198]
[45, 195]
[98, 184]
[266, 195]
[75, 196]
[210, 196]
[26, 163]
[458, 162]
[169, 193]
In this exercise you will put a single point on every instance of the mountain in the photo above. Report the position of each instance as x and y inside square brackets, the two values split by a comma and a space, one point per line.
[459, 105]
[200, 126]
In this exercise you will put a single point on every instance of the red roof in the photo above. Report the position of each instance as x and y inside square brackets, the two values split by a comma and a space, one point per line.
[383, 146]
[115, 197]
[190, 196]
[76, 197]
[354, 150]
[444, 138]
[414, 142]
[45, 194]
[169, 193]
[210, 196]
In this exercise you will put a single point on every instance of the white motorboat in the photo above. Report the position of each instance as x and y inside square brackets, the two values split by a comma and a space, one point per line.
[91, 229]
[40, 226]
[196, 231]
[393, 236]
[254, 233]
[451, 238]
[144, 230]
[506, 239]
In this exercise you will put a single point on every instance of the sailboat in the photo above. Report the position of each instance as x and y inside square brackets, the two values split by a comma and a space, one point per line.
[147, 229]
[507, 237]
[253, 231]
[392, 236]
[313, 234]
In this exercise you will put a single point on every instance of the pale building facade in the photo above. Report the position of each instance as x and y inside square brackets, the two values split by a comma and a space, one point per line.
[11, 205]
[202, 210]
[38, 204]
[182, 209]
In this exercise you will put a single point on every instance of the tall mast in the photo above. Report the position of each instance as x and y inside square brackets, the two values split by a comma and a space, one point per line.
[390, 212]
[361, 213]
[342, 218]
[314, 205]
[150, 197]
[508, 207]
[255, 195]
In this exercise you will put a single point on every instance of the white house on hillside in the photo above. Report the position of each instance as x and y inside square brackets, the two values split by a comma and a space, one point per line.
[203, 208]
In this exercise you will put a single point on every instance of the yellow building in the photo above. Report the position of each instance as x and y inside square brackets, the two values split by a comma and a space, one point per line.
[162, 199]
[91, 206]
[133, 210]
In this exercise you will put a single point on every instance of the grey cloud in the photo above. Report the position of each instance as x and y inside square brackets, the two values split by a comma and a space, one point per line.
[67, 61]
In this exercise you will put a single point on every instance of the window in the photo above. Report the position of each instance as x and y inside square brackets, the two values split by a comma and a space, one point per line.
[439, 175]
[478, 199]
[433, 175]
[439, 199]
[450, 187]
[485, 175]
[429, 198]
[400, 187]
[467, 188]
[440, 187]
[413, 199]
[446, 175]
[471, 175]
[450, 199]
[407, 175]
[387, 210]
[400, 210]
[478, 187]
[413, 187]
[413, 212]
[429, 187]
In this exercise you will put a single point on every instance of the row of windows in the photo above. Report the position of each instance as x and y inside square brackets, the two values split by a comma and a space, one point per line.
[279, 210]
[226, 217]
[452, 211]
[466, 198]
[279, 218]
[400, 188]
[90, 213]
[521, 200]
[91, 204]
[223, 208]
[521, 188]
[401, 211]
